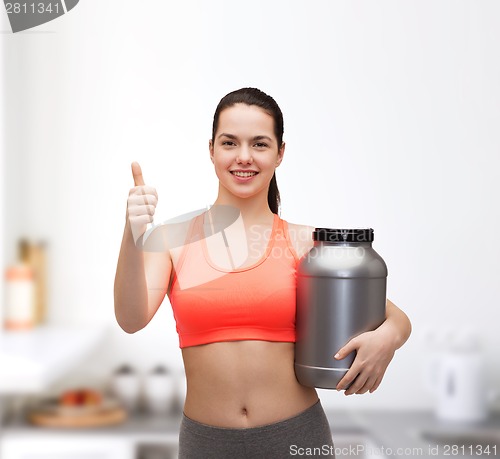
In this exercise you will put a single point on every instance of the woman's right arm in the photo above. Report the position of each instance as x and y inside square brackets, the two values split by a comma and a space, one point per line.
[142, 277]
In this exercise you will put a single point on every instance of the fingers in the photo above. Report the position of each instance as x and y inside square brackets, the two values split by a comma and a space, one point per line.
[371, 361]
[348, 378]
[137, 211]
[137, 174]
[377, 383]
[357, 381]
[143, 195]
[361, 385]
[143, 198]
[343, 352]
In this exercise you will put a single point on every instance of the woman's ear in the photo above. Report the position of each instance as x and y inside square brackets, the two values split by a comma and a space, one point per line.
[281, 153]
[211, 150]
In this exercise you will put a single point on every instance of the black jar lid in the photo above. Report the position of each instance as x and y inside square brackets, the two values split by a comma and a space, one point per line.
[343, 235]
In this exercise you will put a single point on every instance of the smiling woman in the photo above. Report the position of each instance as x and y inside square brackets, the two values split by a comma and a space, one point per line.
[233, 294]
[241, 157]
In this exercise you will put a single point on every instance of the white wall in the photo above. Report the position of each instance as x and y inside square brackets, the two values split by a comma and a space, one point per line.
[2, 167]
[391, 121]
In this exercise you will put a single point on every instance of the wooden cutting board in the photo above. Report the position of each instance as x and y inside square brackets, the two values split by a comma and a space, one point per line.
[99, 418]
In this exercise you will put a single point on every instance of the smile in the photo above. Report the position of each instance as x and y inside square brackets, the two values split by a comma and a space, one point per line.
[244, 174]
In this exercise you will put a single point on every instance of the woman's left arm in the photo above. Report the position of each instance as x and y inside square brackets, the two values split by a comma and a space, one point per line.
[374, 351]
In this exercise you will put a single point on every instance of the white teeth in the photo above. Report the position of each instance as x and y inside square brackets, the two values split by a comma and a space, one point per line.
[244, 174]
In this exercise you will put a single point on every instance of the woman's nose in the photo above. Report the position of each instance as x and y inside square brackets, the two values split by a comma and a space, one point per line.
[244, 155]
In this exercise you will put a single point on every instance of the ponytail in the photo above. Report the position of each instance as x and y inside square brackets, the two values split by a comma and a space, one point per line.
[273, 195]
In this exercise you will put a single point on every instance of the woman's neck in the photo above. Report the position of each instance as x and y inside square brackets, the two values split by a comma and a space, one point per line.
[253, 210]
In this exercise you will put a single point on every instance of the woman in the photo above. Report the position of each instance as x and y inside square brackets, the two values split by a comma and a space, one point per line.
[233, 297]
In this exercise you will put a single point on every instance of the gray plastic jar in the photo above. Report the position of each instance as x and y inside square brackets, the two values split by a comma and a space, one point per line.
[341, 293]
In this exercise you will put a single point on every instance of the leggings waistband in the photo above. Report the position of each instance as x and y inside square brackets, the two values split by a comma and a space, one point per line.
[238, 434]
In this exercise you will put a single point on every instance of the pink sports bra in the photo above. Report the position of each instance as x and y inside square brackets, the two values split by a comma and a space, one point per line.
[255, 302]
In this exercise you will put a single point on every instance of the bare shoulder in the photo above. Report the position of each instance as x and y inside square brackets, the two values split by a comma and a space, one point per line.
[301, 238]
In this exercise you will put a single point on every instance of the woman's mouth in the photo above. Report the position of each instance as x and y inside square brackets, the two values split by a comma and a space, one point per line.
[243, 175]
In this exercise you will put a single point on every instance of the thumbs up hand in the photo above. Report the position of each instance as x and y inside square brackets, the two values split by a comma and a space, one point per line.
[141, 204]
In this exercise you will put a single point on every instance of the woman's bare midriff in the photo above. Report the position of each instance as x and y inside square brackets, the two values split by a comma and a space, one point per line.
[241, 384]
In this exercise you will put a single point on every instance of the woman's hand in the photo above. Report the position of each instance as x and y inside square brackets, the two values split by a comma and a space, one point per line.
[374, 353]
[375, 350]
[141, 204]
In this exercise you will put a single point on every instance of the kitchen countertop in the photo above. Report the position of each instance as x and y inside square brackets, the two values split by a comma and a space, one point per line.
[396, 434]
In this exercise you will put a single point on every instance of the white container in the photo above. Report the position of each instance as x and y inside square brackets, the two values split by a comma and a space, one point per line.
[456, 376]
[19, 313]
[460, 387]
[159, 391]
[127, 388]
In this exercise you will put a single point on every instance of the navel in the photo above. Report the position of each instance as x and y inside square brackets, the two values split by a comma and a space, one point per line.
[244, 412]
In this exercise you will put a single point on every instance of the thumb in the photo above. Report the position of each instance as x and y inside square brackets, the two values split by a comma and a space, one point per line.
[137, 174]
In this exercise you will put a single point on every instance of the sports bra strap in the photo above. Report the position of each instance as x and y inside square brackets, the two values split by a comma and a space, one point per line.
[288, 240]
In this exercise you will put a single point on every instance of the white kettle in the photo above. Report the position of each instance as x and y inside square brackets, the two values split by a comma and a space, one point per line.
[457, 379]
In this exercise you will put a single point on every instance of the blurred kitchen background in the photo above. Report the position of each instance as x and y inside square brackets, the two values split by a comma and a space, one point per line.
[391, 116]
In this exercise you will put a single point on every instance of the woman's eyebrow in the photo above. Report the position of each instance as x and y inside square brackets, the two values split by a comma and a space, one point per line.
[257, 137]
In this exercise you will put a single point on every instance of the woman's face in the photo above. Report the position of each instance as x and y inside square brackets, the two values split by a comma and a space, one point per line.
[245, 150]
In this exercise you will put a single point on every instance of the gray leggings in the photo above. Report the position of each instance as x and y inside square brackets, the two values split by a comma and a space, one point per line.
[305, 435]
